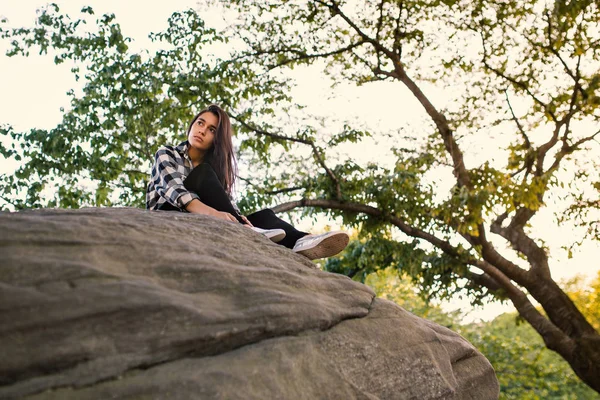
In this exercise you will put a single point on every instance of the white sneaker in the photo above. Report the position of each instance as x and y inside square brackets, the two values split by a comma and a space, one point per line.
[323, 245]
[276, 235]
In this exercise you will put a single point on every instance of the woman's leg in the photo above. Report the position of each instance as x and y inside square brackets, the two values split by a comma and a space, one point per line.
[266, 219]
[204, 182]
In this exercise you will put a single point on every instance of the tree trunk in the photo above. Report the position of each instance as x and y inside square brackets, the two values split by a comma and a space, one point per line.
[577, 342]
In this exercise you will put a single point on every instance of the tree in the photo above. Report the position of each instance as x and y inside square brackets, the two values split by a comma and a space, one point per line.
[478, 237]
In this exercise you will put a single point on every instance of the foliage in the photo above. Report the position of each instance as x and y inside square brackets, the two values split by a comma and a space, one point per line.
[586, 298]
[131, 103]
[525, 368]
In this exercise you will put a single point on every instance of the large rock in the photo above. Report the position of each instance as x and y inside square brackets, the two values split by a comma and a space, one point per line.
[112, 303]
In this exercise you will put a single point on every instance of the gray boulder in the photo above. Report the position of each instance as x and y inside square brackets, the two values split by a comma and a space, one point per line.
[117, 303]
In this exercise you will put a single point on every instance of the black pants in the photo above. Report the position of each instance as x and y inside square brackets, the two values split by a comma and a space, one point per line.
[204, 182]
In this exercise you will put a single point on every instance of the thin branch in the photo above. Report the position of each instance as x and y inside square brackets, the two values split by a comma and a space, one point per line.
[272, 192]
[543, 149]
[566, 122]
[519, 126]
[286, 190]
[133, 171]
[378, 30]
[145, 151]
[316, 153]
[486, 281]
[584, 140]
[528, 162]
[397, 46]
[332, 176]
[514, 81]
[552, 49]
[492, 256]
[498, 277]
[335, 10]
[575, 76]
[9, 201]
[499, 221]
[367, 64]
[568, 150]
[577, 87]
[269, 134]
[300, 55]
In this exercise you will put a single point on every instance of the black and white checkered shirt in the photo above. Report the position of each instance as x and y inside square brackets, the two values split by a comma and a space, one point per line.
[171, 166]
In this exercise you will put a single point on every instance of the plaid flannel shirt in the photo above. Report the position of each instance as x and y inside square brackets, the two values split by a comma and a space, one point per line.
[171, 166]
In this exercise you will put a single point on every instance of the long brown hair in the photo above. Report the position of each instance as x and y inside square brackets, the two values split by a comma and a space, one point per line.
[221, 156]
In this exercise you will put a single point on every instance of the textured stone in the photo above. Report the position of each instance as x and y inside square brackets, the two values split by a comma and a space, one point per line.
[100, 303]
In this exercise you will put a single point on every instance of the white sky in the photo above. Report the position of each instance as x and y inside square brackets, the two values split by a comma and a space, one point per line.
[34, 90]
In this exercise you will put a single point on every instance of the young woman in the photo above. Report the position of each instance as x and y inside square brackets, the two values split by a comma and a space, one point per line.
[198, 175]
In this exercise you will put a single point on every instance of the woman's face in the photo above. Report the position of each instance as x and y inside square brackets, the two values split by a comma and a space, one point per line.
[202, 133]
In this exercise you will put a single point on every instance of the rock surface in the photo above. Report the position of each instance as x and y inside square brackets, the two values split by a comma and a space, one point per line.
[112, 303]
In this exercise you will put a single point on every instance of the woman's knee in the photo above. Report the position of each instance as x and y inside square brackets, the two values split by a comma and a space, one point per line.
[199, 176]
[204, 169]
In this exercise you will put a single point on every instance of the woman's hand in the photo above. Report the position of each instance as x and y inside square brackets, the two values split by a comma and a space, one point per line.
[197, 207]
[246, 222]
[224, 215]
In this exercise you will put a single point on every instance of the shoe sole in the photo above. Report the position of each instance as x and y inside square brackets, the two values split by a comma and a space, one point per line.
[327, 247]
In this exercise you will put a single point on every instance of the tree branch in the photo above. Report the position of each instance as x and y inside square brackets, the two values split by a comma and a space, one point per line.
[514, 234]
[378, 31]
[316, 153]
[519, 126]
[505, 267]
[397, 46]
[460, 171]
[301, 56]
[269, 134]
[515, 82]
[568, 150]
[486, 281]
[528, 162]
[566, 121]
[332, 176]
[335, 10]
[272, 192]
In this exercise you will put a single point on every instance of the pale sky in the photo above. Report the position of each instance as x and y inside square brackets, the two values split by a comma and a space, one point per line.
[34, 90]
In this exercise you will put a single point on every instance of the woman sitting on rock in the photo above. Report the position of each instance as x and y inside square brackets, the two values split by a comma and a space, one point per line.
[198, 175]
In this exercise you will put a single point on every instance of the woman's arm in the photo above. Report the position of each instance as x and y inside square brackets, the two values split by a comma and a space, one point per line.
[168, 181]
[197, 207]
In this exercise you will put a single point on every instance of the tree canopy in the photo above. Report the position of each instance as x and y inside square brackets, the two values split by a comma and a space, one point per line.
[522, 79]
